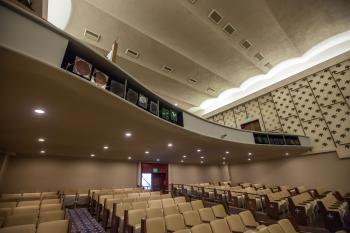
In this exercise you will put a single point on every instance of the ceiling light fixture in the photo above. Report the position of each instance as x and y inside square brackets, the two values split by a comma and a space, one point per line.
[157, 160]
[182, 161]
[39, 111]
[227, 152]
[176, 104]
[41, 139]
[184, 156]
[42, 152]
[202, 162]
[129, 158]
[170, 145]
[249, 159]
[92, 155]
[223, 158]
[223, 163]
[287, 154]
[250, 153]
[106, 147]
[199, 150]
[202, 157]
[128, 134]
[146, 152]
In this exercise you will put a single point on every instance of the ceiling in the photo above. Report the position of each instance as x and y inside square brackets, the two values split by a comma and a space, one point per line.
[179, 34]
[81, 119]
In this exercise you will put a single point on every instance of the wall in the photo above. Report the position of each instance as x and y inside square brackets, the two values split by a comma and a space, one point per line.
[35, 174]
[322, 170]
[3, 167]
[317, 106]
[182, 174]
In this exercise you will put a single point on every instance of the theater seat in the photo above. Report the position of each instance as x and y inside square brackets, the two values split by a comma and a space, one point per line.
[22, 219]
[287, 226]
[183, 231]
[235, 223]
[59, 226]
[29, 228]
[25, 210]
[168, 202]
[8, 204]
[28, 203]
[139, 205]
[134, 219]
[275, 228]
[206, 215]
[51, 216]
[178, 200]
[183, 207]
[196, 205]
[154, 212]
[169, 210]
[174, 222]
[51, 201]
[50, 207]
[155, 204]
[219, 211]
[249, 220]
[155, 225]
[192, 218]
[202, 228]
[220, 226]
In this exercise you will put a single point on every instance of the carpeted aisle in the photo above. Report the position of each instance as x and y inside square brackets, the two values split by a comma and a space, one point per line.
[83, 222]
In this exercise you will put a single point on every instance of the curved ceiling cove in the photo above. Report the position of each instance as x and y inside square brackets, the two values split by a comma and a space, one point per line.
[213, 66]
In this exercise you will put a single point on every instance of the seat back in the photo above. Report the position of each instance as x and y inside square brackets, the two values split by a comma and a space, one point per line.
[139, 205]
[168, 202]
[174, 222]
[154, 212]
[196, 205]
[171, 209]
[165, 196]
[135, 216]
[120, 209]
[25, 210]
[58, 226]
[29, 203]
[156, 193]
[51, 201]
[155, 204]
[220, 226]
[192, 218]
[287, 226]
[275, 228]
[235, 223]
[201, 228]
[20, 219]
[180, 199]
[206, 214]
[134, 195]
[145, 194]
[219, 211]
[155, 225]
[50, 207]
[51, 216]
[248, 219]
[183, 207]
[29, 228]
[8, 204]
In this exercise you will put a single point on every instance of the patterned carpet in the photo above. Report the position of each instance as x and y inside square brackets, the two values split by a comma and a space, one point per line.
[83, 222]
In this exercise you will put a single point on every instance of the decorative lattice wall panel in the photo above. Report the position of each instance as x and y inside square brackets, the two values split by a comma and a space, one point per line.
[298, 84]
[283, 101]
[337, 117]
[270, 117]
[340, 66]
[319, 134]
[292, 125]
[241, 118]
[325, 89]
[343, 81]
[265, 98]
[239, 108]
[229, 118]
[306, 104]
[253, 112]
[219, 118]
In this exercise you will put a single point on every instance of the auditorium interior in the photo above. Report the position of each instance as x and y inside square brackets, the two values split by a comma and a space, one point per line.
[175, 116]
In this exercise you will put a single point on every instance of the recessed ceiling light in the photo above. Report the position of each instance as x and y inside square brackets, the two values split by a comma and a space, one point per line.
[39, 111]
[199, 150]
[223, 163]
[170, 144]
[157, 160]
[202, 157]
[42, 152]
[223, 158]
[250, 153]
[146, 152]
[184, 156]
[106, 147]
[227, 152]
[202, 162]
[41, 139]
[128, 134]
[129, 157]
[182, 161]
[287, 154]
[175, 104]
[92, 155]
[249, 159]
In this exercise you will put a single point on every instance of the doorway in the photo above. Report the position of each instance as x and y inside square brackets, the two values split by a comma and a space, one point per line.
[154, 176]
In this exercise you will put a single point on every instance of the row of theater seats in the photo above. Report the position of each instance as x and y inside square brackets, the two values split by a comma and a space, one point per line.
[32, 212]
[305, 205]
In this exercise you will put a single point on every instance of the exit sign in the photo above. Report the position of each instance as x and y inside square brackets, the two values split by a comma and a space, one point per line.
[155, 170]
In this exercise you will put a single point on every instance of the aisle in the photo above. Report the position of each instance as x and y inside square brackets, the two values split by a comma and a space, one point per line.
[83, 222]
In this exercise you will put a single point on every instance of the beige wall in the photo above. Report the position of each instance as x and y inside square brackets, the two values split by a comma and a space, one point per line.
[322, 170]
[179, 174]
[35, 174]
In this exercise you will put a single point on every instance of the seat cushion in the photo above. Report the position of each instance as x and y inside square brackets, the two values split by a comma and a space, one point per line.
[59, 226]
[51, 216]
[30, 228]
[201, 228]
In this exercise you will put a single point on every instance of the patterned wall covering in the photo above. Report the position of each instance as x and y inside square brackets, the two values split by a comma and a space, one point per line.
[317, 106]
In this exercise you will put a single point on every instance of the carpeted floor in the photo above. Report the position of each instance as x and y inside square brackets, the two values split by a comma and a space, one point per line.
[83, 222]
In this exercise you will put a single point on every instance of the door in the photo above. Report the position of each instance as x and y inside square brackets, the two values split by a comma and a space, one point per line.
[158, 181]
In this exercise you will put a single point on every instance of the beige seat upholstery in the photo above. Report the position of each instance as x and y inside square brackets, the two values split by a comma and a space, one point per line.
[22, 219]
[275, 228]
[220, 226]
[165, 196]
[8, 204]
[134, 195]
[155, 204]
[50, 207]
[206, 215]
[201, 228]
[174, 222]
[183, 207]
[25, 210]
[51, 216]
[235, 223]
[139, 205]
[192, 218]
[168, 202]
[49, 195]
[128, 199]
[287, 226]
[31, 196]
[145, 194]
[156, 193]
[51, 201]
[30, 228]
[59, 226]
[196, 205]
[11, 197]
[171, 209]
[178, 200]
[248, 219]
[154, 212]
[183, 231]
[28, 203]
[219, 211]
[155, 225]
[135, 217]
